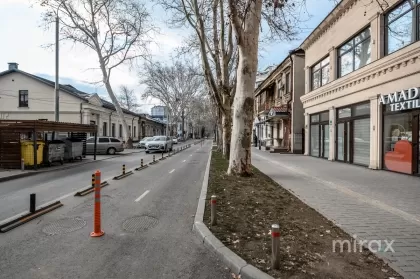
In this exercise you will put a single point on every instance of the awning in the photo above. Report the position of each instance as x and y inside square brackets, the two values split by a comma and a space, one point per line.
[277, 113]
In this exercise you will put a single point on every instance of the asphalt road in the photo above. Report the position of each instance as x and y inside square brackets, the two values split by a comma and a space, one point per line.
[162, 199]
[14, 194]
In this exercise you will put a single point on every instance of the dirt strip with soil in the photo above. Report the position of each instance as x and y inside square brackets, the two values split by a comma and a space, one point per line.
[247, 206]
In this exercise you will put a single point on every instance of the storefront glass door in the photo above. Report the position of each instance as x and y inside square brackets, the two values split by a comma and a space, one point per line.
[325, 141]
[340, 142]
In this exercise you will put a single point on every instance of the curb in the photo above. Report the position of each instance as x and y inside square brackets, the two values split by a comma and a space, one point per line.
[235, 263]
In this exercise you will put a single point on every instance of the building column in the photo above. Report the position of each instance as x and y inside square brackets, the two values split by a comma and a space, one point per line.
[307, 80]
[307, 133]
[86, 117]
[332, 121]
[333, 63]
[375, 37]
[374, 133]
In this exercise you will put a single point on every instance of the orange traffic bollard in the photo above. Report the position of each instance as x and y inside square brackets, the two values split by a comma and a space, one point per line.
[97, 208]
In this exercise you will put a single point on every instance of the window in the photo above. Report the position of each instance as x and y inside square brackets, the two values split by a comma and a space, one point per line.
[401, 25]
[103, 140]
[120, 131]
[90, 140]
[113, 130]
[23, 98]
[287, 83]
[134, 131]
[92, 123]
[104, 129]
[129, 130]
[344, 112]
[114, 140]
[320, 73]
[355, 53]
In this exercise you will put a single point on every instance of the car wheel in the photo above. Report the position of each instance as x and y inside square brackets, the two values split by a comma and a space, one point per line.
[147, 152]
[111, 151]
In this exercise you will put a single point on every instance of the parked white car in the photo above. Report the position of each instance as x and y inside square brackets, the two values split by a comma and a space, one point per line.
[142, 143]
[159, 143]
[175, 140]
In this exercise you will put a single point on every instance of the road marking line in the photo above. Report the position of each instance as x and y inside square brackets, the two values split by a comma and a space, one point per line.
[191, 155]
[142, 196]
[184, 161]
[172, 171]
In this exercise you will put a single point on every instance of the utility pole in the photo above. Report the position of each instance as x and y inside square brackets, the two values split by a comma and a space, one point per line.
[182, 125]
[57, 86]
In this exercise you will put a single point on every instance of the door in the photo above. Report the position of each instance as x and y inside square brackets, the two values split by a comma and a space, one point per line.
[102, 146]
[90, 144]
[343, 141]
[325, 140]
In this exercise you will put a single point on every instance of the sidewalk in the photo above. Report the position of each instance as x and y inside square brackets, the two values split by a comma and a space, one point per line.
[6, 174]
[374, 205]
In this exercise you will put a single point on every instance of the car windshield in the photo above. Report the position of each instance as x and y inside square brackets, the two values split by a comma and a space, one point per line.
[159, 138]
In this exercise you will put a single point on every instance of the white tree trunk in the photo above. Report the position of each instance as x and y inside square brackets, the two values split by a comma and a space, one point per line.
[105, 76]
[243, 104]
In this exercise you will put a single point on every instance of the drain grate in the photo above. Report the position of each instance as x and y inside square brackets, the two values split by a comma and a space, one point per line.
[65, 225]
[139, 223]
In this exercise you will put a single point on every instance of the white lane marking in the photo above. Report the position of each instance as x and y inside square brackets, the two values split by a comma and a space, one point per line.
[172, 171]
[142, 196]
[191, 155]
[184, 161]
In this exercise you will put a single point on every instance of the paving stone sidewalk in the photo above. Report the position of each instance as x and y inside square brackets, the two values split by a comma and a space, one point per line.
[372, 204]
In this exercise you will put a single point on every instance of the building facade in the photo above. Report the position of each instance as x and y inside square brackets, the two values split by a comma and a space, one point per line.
[24, 96]
[279, 117]
[159, 112]
[362, 79]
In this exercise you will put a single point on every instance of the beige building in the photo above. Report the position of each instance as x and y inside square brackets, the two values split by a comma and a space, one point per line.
[279, 117]
[362, 73]
[24, 96]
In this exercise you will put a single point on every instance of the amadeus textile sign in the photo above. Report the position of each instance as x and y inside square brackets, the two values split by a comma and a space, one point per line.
[403, 100]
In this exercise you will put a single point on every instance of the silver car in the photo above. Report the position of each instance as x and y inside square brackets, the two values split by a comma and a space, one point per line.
[104, 145]
[142, 143]
[159, 143]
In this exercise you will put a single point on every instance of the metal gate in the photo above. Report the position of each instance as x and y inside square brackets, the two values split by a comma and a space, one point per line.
[298, 143]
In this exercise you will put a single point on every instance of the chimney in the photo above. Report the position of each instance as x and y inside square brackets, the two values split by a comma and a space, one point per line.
[13, 66]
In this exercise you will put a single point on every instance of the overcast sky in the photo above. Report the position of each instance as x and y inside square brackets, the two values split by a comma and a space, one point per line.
[23, 39]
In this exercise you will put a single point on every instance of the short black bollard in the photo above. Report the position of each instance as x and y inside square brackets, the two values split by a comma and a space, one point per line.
[162, 154]
[32, 202]
[123, 169]
[93, 180]
[141, 163]
[153, 158]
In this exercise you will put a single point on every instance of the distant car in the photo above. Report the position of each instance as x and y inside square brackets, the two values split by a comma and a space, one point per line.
[174, 140]
[104, 145]
[142, 142]
[180, 139]
[159, 143]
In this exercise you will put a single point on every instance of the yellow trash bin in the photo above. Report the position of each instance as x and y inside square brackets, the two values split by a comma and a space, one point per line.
[27, 152]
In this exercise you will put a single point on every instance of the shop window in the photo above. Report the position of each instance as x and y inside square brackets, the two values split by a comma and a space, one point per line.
[325, 116]
[397, 142]
[315, 140]
[362, 109]
[344, 112]
[113, 130]
[314, 118]
[104, 129]
[361, 141]
[401, 24]
[120, 131]
[354, 54]
[320, 73]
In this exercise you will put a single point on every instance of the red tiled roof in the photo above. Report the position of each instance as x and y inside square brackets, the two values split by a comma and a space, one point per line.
[280, 109]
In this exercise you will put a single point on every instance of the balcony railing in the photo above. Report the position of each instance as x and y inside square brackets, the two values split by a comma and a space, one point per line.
[266, 106]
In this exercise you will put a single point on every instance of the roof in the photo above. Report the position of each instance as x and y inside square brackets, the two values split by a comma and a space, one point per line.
[295, 51]
[41, 125]
[331, 15]
[68, 88]
[280, 109]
